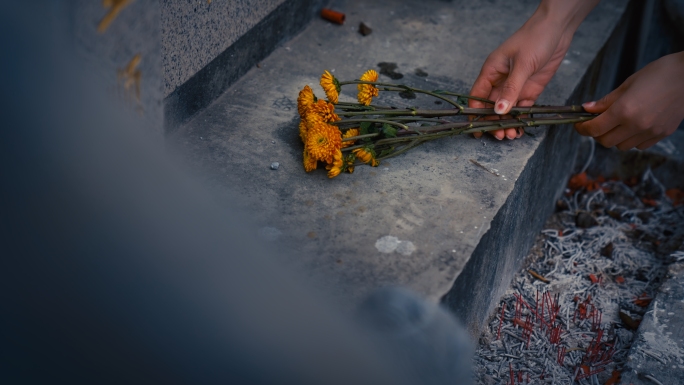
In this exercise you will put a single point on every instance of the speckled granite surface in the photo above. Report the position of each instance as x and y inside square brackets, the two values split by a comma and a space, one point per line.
[205, 85]
[194, 32]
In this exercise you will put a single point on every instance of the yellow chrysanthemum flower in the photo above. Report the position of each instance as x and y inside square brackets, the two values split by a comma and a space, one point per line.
[302, 130]
[305, 100]
[309, 162]
[325, 110]
[363, 155]
[367, 91]
[350, 133]
[323, 141]
[337, 165]
[331, 86]
[366, 155]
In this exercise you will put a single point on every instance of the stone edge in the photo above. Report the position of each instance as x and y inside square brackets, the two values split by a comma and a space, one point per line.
[198, 92]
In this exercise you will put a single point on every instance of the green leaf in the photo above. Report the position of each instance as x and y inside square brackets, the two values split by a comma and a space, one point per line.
[462, 100]
[439, 92]
[385, 152]
[389, 131]
[365, 128]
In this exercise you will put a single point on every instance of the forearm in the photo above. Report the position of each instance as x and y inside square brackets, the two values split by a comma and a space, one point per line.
[566, 14]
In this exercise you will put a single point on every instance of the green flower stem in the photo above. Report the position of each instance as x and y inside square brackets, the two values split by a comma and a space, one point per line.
[406, 88]
[402, 150]
[452, 129]
[403, 126]
[515, 111]
[371, 107]
[467, 97]
[534, 123]
[416, 119]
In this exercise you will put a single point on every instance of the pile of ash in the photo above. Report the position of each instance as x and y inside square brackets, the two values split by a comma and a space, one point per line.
[571, 312]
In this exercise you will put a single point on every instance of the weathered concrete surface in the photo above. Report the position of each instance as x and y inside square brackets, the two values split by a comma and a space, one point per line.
[658, 349]
[207, 47]
[135, 31]
[458, 217]
[195, 32]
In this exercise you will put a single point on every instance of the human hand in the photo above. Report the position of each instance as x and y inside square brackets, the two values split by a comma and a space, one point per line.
[646, 108]
[516, 73]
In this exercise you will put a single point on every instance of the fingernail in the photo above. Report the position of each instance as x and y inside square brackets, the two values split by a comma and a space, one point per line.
[501, 106]
[589, 104]
[511, 136]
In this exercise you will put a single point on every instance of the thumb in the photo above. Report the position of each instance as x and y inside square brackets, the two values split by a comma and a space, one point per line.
[512, 88]
[602, 104]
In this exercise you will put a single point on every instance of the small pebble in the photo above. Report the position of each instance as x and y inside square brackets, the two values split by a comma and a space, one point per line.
[364, 29]
[585, 220]
[275, 165]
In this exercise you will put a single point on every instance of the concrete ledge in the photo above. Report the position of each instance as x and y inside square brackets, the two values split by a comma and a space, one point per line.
[212, 80]
[470, 229]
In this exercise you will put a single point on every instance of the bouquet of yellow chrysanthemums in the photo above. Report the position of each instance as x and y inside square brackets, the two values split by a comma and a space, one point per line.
[343, 135]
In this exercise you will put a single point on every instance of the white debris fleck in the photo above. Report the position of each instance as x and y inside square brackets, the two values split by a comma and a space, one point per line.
[566, 61]
[405, 248]
[389, 244]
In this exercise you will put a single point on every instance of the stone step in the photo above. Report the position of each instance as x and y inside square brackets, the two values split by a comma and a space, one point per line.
[430, 219]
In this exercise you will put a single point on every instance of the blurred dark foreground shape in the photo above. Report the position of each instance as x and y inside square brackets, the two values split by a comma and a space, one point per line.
[117, 268]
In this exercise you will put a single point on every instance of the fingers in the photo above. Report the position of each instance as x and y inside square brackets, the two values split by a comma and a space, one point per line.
[511, 133]
[650, 143]
[602, 104]
[512, 87]
[634, 141]
[481, 88]
[617, 135]
[498, 134]
[598, 126]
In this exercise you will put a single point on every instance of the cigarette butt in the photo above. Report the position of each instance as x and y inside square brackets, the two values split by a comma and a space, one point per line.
[538, 276]
[332, 16]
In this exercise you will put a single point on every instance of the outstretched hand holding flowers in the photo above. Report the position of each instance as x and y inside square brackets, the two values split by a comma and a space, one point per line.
[342, 135]
[645, 109]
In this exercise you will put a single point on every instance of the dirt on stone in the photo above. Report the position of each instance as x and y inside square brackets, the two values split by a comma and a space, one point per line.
[389, 69]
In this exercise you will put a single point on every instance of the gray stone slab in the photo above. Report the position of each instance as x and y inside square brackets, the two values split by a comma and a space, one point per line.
[461, 220]
[195, 32]
[658, 349]
[207, 47]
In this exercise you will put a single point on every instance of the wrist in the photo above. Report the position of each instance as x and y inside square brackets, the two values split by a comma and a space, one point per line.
[565, 15]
